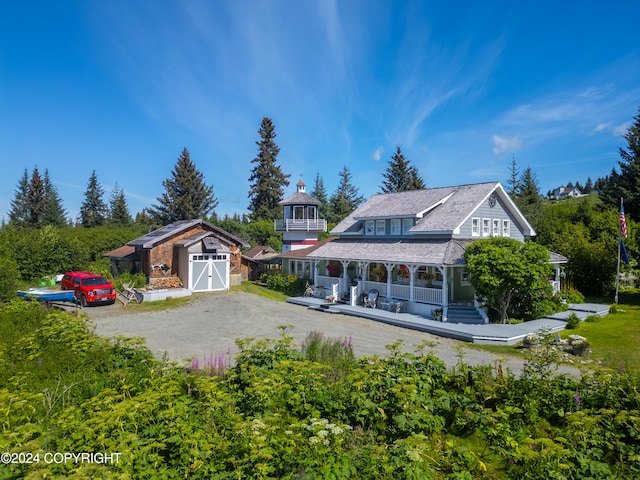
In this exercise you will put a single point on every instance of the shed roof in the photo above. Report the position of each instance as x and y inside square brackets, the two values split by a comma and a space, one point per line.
[160, 235]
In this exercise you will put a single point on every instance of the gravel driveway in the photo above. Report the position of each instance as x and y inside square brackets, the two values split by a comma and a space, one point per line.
[211, 323]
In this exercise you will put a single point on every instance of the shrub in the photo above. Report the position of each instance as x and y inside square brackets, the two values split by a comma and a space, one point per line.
[572, 296]
[573, 321]
[286, 283]
[592, 318]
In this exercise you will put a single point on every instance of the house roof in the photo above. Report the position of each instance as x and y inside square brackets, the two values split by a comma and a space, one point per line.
[435, 252]
[437, 210]
[300, 198]
[160, 235]
[125, 252]
[259, 251]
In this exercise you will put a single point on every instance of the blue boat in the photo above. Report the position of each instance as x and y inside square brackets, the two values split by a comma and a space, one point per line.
[47, 295]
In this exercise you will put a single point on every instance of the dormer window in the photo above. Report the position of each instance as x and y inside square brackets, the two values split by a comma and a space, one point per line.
[380, 227]
[395, 226]
[370, 227]
[407, 224]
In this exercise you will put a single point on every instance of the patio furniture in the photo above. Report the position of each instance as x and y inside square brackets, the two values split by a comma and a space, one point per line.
[371, 300]
[391, 305]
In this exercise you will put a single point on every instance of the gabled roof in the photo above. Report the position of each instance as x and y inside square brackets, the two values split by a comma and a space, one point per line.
[437, 210]
[158, 236]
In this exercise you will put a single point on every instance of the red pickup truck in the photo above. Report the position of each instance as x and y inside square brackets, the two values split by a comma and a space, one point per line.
[89, 288]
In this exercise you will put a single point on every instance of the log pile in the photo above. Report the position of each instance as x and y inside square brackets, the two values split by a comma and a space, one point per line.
[165, 282]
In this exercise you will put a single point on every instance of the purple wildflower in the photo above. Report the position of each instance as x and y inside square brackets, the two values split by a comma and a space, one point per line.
[576, 400]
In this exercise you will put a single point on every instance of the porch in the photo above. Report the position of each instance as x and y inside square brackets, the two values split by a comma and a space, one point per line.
[487, 334]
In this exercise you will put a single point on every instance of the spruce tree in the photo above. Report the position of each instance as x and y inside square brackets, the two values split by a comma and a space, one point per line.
[529, 199]
[93, 211]
[54, 213]
[187, 196]
[513, 182]
[345, 199]
[400, 175]
[626, 183]
[36, 199]
[320, 193]
[18, 212]
[118, 210]
[267, 181]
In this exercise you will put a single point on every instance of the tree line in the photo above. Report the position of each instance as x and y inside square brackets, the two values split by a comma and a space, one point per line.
[187, 195]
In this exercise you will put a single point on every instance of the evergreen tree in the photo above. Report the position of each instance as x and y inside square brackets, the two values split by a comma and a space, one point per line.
[54, 213]
[267, 180]
[93, 211]
[400, 175]
[118, 210]
[588, 187]
[513, 182]
[345, 199]
[18, 212]
[416, 182]
[320, 193]
[187, 196]
[36, 200]
[529, 198]
[626, 184]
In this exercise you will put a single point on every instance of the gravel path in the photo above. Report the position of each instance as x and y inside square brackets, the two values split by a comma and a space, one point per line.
[211, 323]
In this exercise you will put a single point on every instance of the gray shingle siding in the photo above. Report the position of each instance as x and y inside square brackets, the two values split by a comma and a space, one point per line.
[497, 212]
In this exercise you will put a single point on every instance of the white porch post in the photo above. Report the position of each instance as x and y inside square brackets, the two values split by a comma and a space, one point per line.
[345, 277]
[389, 267]
[445, 292]
[315, 265]
[412, 280]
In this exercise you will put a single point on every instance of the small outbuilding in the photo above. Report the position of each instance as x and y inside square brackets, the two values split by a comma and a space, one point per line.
[194, 254]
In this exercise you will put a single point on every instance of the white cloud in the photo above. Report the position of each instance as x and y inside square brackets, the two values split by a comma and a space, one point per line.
[377, 155]
[621, 130]
[503, 145]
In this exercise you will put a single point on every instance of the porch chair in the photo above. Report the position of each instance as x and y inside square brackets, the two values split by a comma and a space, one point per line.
[308, 291]
[371, 300]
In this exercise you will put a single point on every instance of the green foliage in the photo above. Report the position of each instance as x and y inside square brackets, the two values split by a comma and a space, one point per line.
[400, 175]
[586, 232]
[267, 179]
[290, 414]
[137, 280]
[572, 296]
[186, 195]
[573, 321]
[9, 275]
[286, 283]
[93, 211]
[345, 199]
[504, 270]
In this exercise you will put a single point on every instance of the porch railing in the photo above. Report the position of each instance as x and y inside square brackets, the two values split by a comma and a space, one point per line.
[403, 292]
[302, 225]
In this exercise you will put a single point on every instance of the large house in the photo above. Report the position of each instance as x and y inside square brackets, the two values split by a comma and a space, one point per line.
[409, 246]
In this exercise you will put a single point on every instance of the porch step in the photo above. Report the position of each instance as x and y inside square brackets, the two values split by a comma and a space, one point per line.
[325, 308]
[464, 314]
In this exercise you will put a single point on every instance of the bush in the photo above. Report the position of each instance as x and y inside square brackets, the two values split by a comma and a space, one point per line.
[573, 321]
[572, 296]
[289, 284]
[592, 318]
[9, 275]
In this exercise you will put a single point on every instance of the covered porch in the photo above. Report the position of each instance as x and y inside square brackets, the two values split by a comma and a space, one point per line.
[418, 289]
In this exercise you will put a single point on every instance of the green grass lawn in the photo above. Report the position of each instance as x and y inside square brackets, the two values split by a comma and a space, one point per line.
[614, 339]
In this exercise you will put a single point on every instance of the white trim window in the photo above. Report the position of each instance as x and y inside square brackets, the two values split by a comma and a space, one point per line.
[395, 226]
[506, 228]
[496, 227]
[380, 227]
[475, 227]
[369, 227]
[486, 225]
[407, 224]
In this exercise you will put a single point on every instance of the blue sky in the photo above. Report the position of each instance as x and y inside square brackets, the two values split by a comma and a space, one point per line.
[463, 87]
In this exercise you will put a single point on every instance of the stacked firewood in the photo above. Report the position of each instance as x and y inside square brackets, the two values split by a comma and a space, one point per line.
[165, 282]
